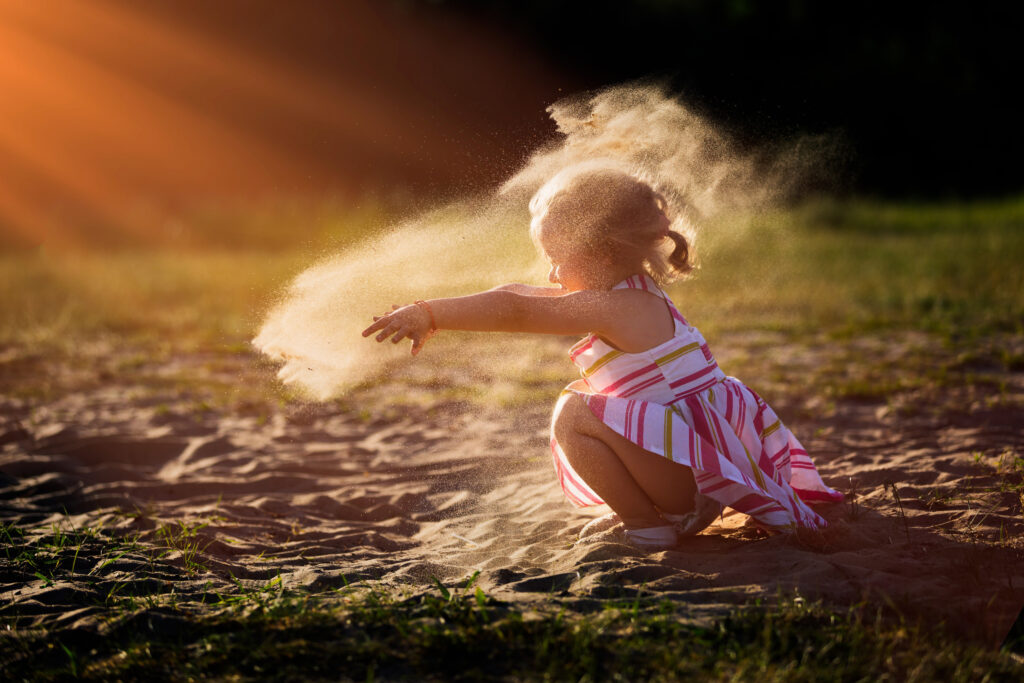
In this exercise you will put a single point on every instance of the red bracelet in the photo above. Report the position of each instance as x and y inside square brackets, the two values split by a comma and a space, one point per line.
[426, 307]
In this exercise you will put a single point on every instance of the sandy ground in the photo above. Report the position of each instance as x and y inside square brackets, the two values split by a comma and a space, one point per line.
[321, 496]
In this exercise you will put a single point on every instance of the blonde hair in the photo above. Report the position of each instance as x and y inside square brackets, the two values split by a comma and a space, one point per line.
[607, 209]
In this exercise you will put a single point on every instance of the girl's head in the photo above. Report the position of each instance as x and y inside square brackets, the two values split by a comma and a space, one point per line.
[594, 219]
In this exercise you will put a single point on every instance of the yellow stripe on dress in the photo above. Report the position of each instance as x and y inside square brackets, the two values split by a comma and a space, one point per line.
[711, 424]
[668, 432]
[681, 351]
[753, 466]
[770, 429]
[601, 362]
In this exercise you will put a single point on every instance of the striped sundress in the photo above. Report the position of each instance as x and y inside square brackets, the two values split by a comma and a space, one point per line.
[674, 400]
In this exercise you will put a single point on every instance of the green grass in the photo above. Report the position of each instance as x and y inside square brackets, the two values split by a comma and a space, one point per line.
[185, 539]
[366, 633]
[860, 266]
[457, 632]
[161, 622]
[52, 552]
[194, 299]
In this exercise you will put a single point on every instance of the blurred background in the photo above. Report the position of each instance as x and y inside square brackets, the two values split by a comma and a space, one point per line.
[264, 123]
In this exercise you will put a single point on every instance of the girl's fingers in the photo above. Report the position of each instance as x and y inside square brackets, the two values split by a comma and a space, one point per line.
[378, 323]
[419, 342]
[387, 331]
[388, 326]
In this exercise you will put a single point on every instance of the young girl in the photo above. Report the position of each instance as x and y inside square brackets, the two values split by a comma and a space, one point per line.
[654, 428]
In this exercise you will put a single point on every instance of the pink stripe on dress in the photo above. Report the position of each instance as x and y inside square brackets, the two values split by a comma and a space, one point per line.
[581, 347]
[640, 387]
[633, 375]
[640, 425]
[597, 405]
[694, 376]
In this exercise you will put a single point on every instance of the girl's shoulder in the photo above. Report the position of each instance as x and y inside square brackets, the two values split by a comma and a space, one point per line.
[643, 284]
[644, 316]
[644, 291]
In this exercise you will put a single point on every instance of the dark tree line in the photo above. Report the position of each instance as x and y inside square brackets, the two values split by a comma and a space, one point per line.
[924, 93]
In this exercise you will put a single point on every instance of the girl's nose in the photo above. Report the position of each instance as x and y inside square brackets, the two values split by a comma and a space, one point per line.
[553, 275]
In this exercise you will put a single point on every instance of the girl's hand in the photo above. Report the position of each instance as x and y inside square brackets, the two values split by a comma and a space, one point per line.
[411, 322]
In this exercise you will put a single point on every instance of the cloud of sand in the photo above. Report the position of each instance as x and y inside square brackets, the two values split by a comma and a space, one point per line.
[465, 246]
[314, 330]
[700, 169]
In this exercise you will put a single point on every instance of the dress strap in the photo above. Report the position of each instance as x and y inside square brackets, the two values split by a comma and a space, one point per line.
[641, 281]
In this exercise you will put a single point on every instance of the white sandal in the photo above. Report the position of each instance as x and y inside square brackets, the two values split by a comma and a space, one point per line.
[651, 538]
[706, 510]
[610, 528]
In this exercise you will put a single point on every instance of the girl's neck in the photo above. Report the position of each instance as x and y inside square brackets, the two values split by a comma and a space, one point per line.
[614, 276]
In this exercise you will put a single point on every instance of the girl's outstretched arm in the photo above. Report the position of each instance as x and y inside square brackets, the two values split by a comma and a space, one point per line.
[604, 312]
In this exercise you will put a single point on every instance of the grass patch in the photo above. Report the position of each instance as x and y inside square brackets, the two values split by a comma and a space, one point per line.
[185, 539]
[462, 634]
[856, 266]
[444, 631]
[1008, 467]
[163, 299]
[56, 551]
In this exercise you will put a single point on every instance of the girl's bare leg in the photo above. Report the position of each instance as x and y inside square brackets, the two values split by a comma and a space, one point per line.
[635, 483]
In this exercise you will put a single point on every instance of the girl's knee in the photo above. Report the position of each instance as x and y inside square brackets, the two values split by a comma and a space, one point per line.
[570, 418]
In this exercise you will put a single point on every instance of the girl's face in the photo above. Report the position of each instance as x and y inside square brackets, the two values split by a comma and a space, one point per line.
[570, 274]
[571, 267]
